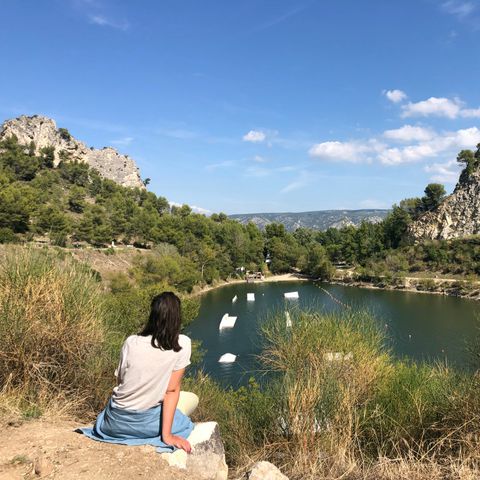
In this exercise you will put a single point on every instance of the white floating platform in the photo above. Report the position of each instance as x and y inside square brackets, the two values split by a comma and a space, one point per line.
[289, 320]
[227, 358]
[227, 322]
[250, 297]
[234, 299]
[290, 294]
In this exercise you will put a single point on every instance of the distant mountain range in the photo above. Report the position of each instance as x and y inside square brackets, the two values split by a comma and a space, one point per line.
[319, 220]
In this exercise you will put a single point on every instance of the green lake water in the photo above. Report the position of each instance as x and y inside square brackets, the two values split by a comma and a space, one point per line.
[420, 326]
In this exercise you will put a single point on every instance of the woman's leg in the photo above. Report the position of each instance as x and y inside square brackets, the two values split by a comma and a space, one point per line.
[187, 403]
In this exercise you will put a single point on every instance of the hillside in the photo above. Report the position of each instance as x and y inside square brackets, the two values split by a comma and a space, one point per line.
[38, 133]
[458, 215]
[317, 220]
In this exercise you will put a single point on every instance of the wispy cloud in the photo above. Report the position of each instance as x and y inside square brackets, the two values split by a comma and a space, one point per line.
[464, 11]
[178, 133]
[280, 18]
[459, 8]
[302, 180]
[98, 13]
[219, 165]
[446, 172]
[122, 142]
[104, 21]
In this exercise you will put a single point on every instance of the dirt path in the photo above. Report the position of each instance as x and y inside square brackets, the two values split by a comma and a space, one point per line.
[55, 451]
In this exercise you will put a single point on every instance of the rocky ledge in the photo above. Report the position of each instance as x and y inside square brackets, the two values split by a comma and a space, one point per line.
[43, 132]
[52, 449]
[458, 216]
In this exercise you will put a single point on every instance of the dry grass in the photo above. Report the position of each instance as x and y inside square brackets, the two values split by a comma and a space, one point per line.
[51, 335]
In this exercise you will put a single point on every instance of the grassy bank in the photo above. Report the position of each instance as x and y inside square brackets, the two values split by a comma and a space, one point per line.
[336, 405]
[341, 407]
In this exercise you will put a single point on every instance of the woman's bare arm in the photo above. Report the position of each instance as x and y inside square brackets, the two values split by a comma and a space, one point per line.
[170, 402]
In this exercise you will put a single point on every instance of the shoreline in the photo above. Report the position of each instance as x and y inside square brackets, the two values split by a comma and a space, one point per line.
[409, 286]
[282, 277]
[406, 288]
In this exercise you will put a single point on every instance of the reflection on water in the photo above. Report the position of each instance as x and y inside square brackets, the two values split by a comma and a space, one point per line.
[420, 326]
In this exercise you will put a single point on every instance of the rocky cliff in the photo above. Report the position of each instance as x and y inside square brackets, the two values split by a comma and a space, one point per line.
[43, 132]
[457, 216]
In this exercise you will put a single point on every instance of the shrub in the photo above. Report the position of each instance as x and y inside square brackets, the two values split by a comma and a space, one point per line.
[51, 331]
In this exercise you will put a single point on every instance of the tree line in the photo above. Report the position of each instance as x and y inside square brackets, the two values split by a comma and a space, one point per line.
[71, 204]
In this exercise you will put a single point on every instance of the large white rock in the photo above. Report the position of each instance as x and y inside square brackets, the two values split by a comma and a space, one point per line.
[265, 471]
[43, 132]
[207, 459]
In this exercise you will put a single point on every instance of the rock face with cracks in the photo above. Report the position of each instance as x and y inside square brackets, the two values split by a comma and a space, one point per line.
[43, 132]
[458, 216]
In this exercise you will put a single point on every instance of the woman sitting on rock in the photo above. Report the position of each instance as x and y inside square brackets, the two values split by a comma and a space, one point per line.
[147, 406]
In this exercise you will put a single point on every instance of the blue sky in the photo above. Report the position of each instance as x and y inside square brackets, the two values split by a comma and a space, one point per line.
[256, 105]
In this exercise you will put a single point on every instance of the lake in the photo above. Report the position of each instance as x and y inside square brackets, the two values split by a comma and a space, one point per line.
[420, 326]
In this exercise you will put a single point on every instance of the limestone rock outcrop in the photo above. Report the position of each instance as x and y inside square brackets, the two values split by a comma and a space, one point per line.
[207, 459]
[458, 216]
[43, 132]
[265, 471]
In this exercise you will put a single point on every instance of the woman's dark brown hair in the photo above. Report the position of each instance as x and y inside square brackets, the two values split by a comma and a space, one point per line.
[164, 322]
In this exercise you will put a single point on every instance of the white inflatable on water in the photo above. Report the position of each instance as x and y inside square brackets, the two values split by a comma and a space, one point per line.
[289, 320]
[227, 358]
[291, 295]
[227, 321]
[234, 299]
[250, 297]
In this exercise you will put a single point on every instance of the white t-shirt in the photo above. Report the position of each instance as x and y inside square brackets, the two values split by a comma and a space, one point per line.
[143, 372]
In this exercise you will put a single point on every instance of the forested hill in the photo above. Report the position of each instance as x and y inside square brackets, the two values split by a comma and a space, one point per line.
[317, 220]
[51, 197]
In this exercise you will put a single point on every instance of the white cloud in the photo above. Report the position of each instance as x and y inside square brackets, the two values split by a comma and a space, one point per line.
[103, 21]
[194, 208]
[409, 133]
[439, 107]
[433, 106]
[413, 153]
[395, 96]
[254, 136]
[374, 150]
[259, 159]
[339, 151]
[201, 210]
[444, 172]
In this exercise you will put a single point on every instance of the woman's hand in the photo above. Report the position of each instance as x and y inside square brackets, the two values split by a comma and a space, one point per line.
[178, 442]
